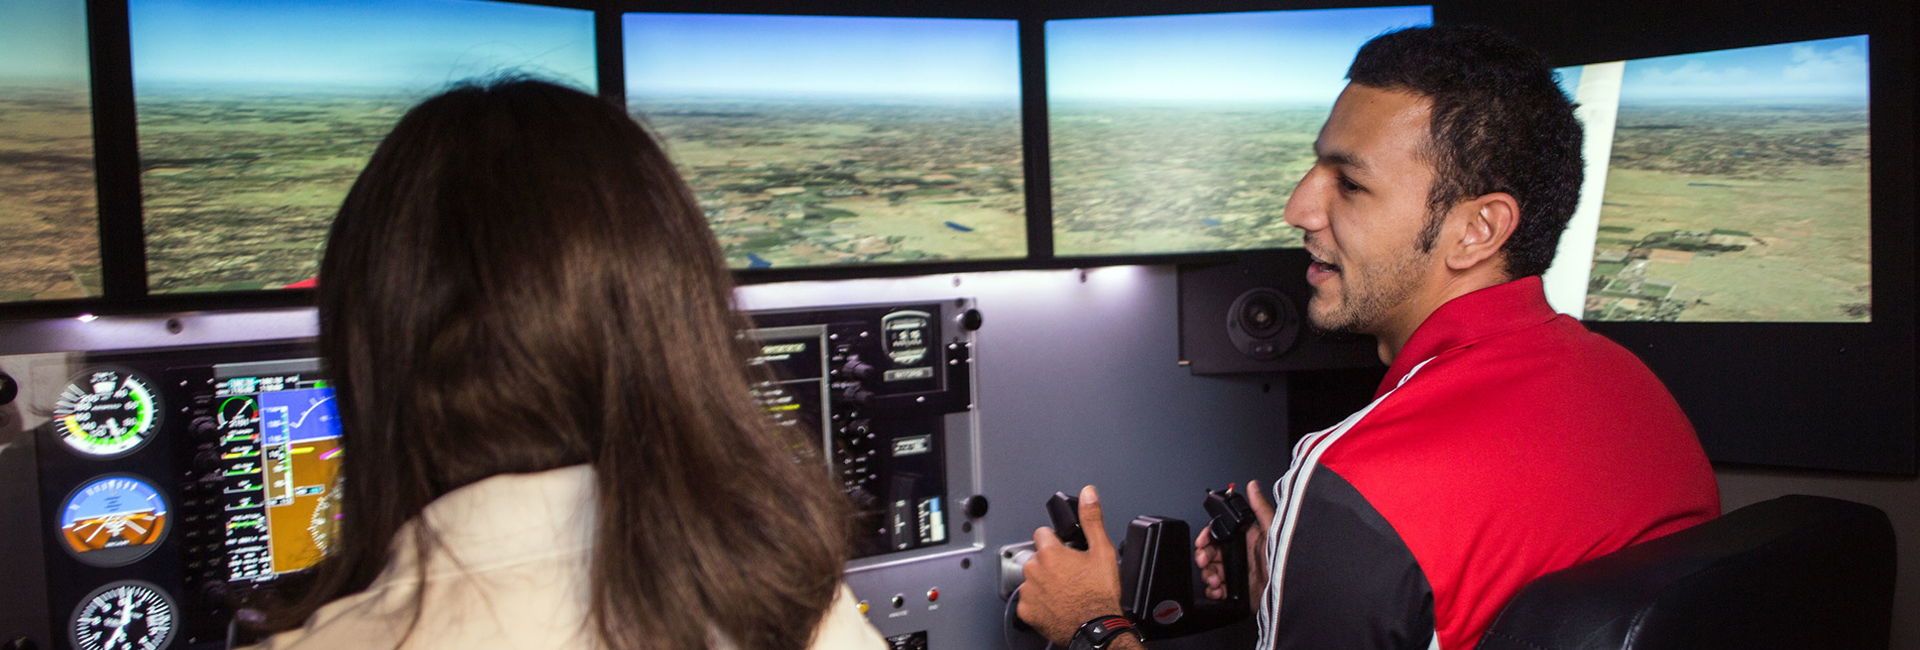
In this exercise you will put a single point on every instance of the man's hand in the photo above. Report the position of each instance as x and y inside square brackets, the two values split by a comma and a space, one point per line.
[1213, 571]
[1065, 587]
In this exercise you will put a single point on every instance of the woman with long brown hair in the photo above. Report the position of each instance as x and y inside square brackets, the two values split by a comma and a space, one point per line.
[548, 439]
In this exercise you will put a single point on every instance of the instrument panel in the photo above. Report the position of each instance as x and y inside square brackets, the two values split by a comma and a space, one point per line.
[178, 485]
[182, 482]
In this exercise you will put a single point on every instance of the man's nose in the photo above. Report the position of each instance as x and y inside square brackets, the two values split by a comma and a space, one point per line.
[1305, 208]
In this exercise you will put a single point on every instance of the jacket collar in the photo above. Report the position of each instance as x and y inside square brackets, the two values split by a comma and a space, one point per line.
[498, 521]
[1469, 319]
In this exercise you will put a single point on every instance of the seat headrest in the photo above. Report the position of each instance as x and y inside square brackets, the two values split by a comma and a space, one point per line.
[1795, 572]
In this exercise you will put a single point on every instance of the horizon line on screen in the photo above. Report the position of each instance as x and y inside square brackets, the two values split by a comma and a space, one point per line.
[357, 44]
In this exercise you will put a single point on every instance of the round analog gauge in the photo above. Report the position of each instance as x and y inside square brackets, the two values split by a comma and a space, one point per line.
[113, 520]
[107, 412]
[124, 615]
[326, 511]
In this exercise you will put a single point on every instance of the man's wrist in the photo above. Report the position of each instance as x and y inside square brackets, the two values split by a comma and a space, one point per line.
[1104, 632]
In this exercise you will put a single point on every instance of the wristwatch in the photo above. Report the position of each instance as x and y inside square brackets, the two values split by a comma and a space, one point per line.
[1100, 632]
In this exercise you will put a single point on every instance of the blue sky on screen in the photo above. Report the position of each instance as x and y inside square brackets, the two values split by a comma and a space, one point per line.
[44, 40]
[1269, 57]
[1833, 69]
[374, 44]
[723, 55]
[1570, 79]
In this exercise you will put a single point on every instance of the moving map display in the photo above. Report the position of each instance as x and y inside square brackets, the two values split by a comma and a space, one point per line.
[280, 445]
[49, 222]
[255, 119]
[830, 140]
[1738, 188]
[1187, 133]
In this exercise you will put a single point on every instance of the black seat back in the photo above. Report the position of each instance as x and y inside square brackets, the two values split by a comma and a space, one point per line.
[1795, 572]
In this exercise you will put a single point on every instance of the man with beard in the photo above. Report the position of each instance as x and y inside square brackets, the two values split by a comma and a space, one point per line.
[1505, 442]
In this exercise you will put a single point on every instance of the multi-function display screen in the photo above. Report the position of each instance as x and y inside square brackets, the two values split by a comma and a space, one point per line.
[814, 140]
[279, 440]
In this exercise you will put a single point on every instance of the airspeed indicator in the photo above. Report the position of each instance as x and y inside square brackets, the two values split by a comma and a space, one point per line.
[106, 413]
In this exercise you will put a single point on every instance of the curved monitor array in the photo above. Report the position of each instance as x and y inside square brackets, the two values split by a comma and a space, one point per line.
[1723, 186]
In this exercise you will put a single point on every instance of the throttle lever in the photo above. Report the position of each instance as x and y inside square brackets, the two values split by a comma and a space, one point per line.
[1064, 511]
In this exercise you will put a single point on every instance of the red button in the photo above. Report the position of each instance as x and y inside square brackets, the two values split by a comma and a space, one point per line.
[933, 595]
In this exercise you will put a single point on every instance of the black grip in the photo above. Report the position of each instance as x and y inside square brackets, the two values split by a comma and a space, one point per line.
[1232, 516]
[1229, 512]
[1065, 512]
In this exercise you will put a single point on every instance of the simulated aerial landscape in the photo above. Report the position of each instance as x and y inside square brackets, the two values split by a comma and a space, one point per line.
[829, 140]
[1187, 133]
[253, 125]
[1160, 180]
[789, 183]
[49, 225]
[1737, 210]
[240, 186]
[49, 216]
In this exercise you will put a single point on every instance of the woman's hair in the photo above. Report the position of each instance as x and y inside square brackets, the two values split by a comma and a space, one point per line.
[519, 282]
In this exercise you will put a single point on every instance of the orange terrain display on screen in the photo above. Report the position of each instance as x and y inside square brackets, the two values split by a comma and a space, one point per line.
[113, 513]
[301, 488]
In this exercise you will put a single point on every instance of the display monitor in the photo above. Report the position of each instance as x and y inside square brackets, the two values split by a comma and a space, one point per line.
[1173, 134]
[814, 140]
[255, 118]
[1724, 186]
[278, 432]
[49, 223]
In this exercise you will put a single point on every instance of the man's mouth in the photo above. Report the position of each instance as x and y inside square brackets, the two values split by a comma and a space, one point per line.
[1321, 267]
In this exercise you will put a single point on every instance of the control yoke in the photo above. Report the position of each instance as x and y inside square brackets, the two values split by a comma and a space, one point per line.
[1157, 578]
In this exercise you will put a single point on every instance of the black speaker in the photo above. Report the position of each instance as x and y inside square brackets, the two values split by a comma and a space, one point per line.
[1250, 316]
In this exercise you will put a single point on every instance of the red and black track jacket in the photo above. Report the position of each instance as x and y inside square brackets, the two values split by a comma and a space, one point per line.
[1506, 442]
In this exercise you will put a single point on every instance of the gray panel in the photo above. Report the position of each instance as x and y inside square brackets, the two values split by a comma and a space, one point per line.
[1079, 382]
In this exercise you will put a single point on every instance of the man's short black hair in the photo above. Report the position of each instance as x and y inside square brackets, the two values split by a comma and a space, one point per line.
[1500, 124]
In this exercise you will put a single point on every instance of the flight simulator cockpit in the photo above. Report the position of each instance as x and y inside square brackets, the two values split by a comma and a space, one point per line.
[990, 252]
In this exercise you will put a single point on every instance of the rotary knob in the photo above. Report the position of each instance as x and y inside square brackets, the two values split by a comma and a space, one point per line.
[856, 369]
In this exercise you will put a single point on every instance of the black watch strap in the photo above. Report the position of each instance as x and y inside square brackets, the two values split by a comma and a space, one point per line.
[1100, 632]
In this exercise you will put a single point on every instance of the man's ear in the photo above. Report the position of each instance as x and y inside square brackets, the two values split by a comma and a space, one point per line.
[1482, 226]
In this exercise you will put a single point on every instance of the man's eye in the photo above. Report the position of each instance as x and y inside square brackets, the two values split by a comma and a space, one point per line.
[1347, 185]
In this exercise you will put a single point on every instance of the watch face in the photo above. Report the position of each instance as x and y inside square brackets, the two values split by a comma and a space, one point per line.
[124, 615]
[113, 520]
[106, 413]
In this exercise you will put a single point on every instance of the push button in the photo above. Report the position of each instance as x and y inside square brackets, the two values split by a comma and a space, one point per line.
[863, 607]
[899, 601]
[933, 595]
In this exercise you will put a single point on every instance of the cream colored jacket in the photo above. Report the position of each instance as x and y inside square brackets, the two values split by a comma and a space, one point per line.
[522, 544]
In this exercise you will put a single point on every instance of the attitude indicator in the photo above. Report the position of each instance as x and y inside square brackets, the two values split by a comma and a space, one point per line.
[113, 520]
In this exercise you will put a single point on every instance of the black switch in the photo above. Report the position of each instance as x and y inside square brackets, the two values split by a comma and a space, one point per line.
[976, 506]
[9, 389]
